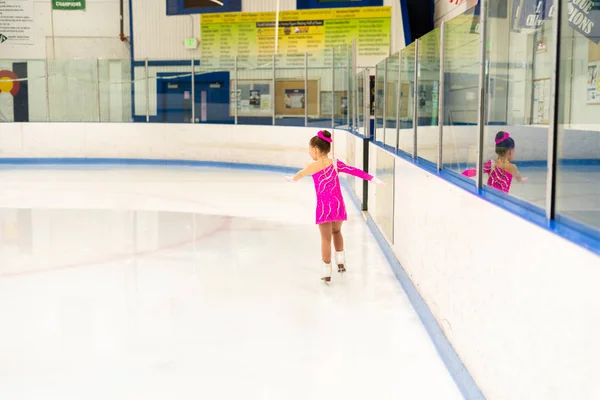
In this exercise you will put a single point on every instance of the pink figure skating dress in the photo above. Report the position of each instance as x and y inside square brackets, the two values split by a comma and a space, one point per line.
[330, 203]
[498, 178]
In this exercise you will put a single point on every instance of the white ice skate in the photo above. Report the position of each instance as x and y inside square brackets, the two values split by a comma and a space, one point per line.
[326, 272]
[340, 260]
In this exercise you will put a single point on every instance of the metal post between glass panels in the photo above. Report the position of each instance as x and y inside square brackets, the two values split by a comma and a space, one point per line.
[440, 156]
[332, 87]
[398, 100]
[555, 113]
[98, 89]
[235, 91]
[147, 92]
[415, 99]
[273, 99]
[193, 100]
[482, 79]
[385, 80]
[367, 102]
[306, 89]
[47, 90]
[366, 89]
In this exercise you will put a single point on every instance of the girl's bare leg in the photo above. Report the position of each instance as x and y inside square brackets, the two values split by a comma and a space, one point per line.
[338, 243]
[326, 234]
[338, 239]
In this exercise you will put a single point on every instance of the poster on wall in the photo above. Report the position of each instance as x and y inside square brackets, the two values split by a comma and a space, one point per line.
[251, 36]
[541, 101]
[16, 22]
[253, 98]
[265, 103]
[294, 98]
[593, 83]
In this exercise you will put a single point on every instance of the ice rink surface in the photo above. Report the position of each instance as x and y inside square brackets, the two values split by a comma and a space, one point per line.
[195, 283]
[577, 191]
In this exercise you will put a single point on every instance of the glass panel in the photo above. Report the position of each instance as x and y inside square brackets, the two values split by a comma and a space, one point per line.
[115, 90]
[254, 95]
[320, 83]
[391, 98]
[461, 97]
[428, 104]
[384, 210]
[351, 89]
[142, 84]
[379, 99]
[361, 102]
[341, 86]
[290, 90]
[73, 90]
[170, 92]
[213, 86]
[578, 171]
[23, 95]
[407, 83]
[518, 102]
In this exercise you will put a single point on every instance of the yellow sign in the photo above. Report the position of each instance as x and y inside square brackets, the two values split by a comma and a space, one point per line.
[252, 35]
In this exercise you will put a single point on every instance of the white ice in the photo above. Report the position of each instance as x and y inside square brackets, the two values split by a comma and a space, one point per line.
[182, 283]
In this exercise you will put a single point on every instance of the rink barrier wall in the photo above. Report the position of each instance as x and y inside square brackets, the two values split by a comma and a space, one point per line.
[461, 376]
[261, 145]
[495, 283]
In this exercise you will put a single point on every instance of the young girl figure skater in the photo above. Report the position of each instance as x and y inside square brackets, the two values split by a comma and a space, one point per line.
[331, 210]
[501, 171]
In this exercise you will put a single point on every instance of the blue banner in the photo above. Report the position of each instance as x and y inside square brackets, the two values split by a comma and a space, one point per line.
[583, 15]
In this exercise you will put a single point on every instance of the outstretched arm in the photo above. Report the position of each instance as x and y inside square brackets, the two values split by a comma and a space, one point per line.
[300, 174]
[347, 169]
[515, 172]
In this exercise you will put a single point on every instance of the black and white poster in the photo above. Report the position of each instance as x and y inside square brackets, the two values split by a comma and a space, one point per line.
[16, 22]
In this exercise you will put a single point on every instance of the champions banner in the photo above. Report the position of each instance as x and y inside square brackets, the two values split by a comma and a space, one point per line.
[583, 15]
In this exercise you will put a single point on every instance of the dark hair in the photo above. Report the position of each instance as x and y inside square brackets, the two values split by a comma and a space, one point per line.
[505, 145]
[322, 145]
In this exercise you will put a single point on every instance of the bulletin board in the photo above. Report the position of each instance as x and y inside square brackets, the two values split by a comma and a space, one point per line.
[253, 98]
[291, 98]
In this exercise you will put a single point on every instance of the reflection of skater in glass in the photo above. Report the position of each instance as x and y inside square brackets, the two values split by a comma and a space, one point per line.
[501, 171]
[331, 210]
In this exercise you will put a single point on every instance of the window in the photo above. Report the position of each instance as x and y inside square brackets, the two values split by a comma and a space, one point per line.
[178, 7]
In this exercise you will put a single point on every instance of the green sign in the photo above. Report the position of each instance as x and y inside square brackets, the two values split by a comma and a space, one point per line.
[68, 5]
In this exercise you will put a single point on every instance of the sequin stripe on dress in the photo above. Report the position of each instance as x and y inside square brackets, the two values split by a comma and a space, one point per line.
[499, 178]
[354, 171]
[325, 179]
